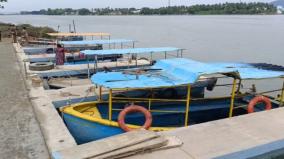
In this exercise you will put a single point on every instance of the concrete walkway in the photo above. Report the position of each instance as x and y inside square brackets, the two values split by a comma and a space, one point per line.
[20, 135]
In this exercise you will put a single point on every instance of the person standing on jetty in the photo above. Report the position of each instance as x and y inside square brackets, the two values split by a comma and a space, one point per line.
[60, 55]
[25, 35]
[14, 33]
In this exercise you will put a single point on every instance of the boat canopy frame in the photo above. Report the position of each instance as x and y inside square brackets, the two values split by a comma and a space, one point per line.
[110, 42]
[234, 94]
[236, 73]
[132, 53]
[92, 35]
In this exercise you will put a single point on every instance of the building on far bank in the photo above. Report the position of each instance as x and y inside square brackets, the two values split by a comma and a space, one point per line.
[280, 10]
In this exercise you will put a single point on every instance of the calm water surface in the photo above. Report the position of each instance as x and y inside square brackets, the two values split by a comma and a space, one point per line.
[206, 38]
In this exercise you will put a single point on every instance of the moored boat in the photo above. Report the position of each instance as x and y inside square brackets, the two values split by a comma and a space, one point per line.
[106, 117]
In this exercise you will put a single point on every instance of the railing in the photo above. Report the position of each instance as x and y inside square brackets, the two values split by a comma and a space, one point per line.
[150, 101]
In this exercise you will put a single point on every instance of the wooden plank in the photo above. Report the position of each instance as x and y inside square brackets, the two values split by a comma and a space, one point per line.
[173, 142]
[135, 149]
[101, 147]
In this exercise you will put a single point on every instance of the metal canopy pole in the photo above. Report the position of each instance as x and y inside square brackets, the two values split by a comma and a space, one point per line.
[133, 45]
[121, 45]
[110, 105]
[128, 61]
[187, 105]
[233, 98]
[136, 60]
[165, 54]
[100, 93]
[282, 96]
[88, 66]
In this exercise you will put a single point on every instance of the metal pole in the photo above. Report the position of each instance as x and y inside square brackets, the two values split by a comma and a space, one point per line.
[187, 105]
[110, 105]
[233, 98]
[282, 97]
[136, 60]
[128, 63]
[74, 26]
[96, 61]
[100, 93]
[121, 45]
[88, 67]
[239, 86]
[165, 55]
[133, 45]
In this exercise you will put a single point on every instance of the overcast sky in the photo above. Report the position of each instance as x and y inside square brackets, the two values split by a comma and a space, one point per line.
[20, 5]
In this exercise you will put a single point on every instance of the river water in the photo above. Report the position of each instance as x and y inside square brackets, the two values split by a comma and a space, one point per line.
[206, 38]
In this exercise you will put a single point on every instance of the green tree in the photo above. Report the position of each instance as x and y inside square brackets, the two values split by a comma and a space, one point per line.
[1, 6]
[84, 11]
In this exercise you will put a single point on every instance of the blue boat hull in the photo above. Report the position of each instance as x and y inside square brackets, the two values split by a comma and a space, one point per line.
[200, 111]
[85, 131]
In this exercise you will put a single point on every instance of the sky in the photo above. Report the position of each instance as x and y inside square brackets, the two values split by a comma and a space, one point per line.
[28, 5]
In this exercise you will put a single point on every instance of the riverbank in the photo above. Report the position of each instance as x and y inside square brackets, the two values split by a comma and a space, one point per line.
[33, 31]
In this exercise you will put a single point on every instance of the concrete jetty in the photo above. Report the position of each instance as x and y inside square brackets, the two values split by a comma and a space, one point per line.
[257, 135]
[20, 135]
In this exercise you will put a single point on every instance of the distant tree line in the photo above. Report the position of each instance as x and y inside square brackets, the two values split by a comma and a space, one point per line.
[225, 8]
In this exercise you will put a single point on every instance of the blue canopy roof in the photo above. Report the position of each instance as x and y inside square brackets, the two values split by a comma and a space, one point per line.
[130, 51]
[180, 71]
[96, 42]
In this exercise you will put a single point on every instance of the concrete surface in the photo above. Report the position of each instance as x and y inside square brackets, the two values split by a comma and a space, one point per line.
[56, 135]
[20, 135]
[255, 135]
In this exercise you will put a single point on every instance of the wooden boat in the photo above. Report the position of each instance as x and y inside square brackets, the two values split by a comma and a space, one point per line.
[47, 46]
[102, 118]
[77, 46]
[100, 60]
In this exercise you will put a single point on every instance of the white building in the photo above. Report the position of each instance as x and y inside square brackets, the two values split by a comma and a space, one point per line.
[280, 10]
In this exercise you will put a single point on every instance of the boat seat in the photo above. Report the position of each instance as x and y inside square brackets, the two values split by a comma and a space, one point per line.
[94, 112]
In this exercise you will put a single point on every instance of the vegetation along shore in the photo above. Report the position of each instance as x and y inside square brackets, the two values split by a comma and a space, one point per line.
[215, 9]
[33, 31]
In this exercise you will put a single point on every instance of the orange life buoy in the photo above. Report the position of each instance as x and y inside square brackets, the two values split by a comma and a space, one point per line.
[259, 99]
[132, 109]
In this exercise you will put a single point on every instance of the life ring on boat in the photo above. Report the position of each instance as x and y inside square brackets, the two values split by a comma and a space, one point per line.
[132, 109]
[259, 99]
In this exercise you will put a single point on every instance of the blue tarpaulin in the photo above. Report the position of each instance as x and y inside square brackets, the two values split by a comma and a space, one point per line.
[180, 71]
[96, 42]
[130, 51]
